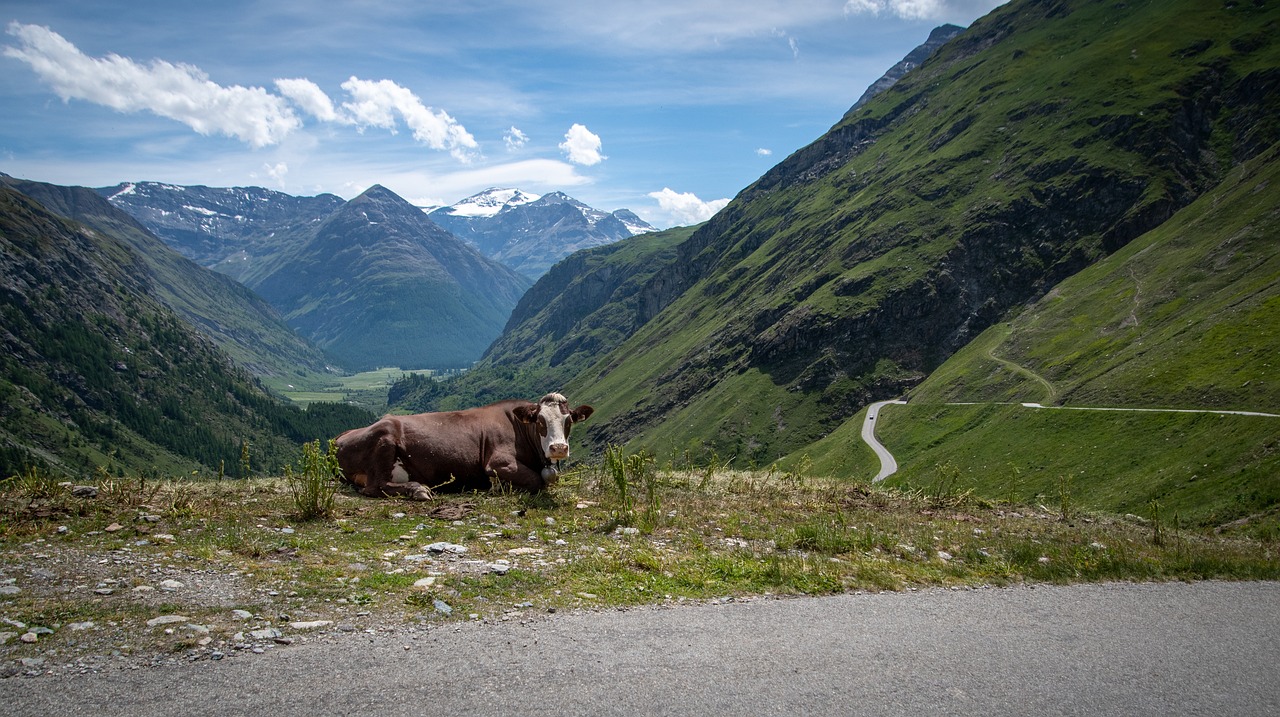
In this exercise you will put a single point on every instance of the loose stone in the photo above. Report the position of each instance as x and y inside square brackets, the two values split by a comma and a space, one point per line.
[443, 547]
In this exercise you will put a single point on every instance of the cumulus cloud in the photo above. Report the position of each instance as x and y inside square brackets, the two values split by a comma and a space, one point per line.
[276, 171]
[581, 146]
[251, 114]
[515, 139]
[906, 9]
[763, 152]
[309, 98]
[376, 103]
[175, 91]
[685, 207]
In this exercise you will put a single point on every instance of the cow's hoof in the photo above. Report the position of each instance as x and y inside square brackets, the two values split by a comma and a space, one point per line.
[422, 493]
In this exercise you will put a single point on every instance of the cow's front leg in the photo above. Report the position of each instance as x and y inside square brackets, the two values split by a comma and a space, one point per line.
[517, 475]
[408, 489]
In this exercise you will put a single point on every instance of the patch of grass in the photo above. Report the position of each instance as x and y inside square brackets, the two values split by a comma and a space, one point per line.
[719, 534]
[1210, 469]
[314, 485]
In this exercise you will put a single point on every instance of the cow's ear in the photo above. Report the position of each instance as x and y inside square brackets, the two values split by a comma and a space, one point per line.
[582, 413]
[528, 413]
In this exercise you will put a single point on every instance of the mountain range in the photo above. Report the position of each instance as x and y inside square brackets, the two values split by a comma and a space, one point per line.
[372, 282]
[531, 233]
[346, 280]
[102, 367]
[1041, 140]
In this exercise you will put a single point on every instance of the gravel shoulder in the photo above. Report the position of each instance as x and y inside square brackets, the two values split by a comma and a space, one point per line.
[1117, 648]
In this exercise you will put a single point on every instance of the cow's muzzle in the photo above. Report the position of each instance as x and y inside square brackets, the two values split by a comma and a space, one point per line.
[558, 451]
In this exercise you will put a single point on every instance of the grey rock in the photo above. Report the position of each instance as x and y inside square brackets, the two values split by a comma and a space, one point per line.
[443, 547]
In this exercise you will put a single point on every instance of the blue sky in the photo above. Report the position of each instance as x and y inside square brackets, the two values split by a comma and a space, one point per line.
[665, 107]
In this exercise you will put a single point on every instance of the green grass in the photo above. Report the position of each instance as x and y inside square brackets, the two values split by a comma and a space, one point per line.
[1206, 469]
[710, 534]
[367, 389]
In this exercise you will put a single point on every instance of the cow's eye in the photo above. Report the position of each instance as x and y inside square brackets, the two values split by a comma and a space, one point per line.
[542, 426]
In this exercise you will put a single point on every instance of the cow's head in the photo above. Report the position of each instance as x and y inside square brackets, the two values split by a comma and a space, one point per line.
[554, 421]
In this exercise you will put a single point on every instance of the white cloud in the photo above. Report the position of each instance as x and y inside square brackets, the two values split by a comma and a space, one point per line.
[581, 146]
[905, 9]
[764, 152]
[178, 92]
[515, 139]
[277, 172]
[376, 104]
[309, 98]
[251, 114]
[685, 208]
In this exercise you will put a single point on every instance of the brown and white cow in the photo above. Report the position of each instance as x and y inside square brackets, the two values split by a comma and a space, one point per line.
[515, 443]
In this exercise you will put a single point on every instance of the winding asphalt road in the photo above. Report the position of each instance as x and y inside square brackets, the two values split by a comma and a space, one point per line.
[1116, 649]
[889, 464]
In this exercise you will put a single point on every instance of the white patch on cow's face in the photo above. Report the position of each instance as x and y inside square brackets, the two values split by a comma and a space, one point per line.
[553, 424]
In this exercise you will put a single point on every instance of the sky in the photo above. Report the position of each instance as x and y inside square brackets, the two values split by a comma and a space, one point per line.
[665, 107]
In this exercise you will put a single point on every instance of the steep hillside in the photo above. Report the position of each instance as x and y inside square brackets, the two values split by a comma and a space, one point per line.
[379, 284]
[1183, 317]
[1045, 137]
[532, 234]
[96, 372]
[237, 320]
[1186, 317]
[584, 307]
[940, 36]
[225, 228]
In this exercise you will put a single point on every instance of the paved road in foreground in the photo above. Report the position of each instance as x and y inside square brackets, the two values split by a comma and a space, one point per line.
[1117, 649]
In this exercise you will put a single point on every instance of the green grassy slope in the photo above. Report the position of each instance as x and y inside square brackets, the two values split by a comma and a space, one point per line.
[97, 372]
[1046, 137]
[240, 322]
[1187, 316]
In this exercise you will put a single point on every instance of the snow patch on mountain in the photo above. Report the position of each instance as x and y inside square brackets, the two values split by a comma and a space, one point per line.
[489, 202]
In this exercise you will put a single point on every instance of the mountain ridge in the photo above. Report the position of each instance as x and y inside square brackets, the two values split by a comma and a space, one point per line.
[243, 324]
[531, 233]
[358, 284]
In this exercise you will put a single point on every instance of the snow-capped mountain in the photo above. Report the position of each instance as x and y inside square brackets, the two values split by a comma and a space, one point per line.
[223, 228]
[488, 203]
[530, 233]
